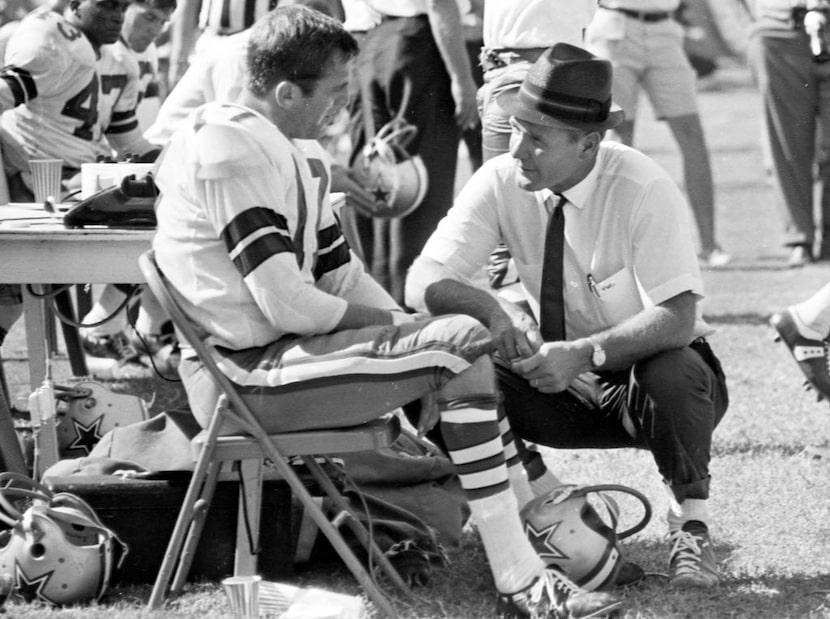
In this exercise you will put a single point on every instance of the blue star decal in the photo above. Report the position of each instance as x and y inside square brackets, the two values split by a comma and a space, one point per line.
[31, 588]
[86, 436]
[543, 539]
[380, 194]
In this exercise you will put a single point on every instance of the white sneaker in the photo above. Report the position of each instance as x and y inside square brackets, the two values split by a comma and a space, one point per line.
[716, 258]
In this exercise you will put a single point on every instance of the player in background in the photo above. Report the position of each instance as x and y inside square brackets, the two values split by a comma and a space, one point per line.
[143, 23]
[126, 70]
[49, 96]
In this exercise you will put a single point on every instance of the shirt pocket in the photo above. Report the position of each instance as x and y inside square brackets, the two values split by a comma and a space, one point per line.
[618, 296]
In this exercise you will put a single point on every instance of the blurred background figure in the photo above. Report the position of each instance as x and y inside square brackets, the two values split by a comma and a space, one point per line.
[412, 65]
[144, 22]
[199, 24]
[788, 56]
[516, 32]
[645, 44]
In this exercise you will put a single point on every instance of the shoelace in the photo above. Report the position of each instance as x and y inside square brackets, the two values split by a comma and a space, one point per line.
[686, 552]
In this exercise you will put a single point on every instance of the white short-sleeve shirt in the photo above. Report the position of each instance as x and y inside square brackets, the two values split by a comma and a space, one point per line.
[627, 226]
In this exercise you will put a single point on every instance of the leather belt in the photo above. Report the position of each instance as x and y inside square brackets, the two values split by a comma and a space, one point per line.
[648, 17]
[503, 56]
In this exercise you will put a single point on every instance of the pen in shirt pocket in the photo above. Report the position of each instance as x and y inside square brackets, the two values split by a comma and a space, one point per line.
[592, 285]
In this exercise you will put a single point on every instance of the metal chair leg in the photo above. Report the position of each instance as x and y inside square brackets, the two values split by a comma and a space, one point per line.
[356, 526]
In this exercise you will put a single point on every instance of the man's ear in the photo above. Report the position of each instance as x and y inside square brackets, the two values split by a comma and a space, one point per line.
[287, 94]
[73, 5]
[591, 142]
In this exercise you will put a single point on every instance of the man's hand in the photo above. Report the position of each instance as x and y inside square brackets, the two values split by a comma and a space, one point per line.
[556, 365]
[515, 337]
[349, 182]
[466, 109]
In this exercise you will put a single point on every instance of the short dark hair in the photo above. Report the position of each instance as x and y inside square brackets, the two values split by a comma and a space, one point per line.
[162, 5]
[294, 43]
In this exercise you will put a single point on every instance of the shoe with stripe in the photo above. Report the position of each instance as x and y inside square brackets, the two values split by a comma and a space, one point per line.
[810, 354]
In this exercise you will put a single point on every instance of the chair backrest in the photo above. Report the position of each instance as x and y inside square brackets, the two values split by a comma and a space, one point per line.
[193, 334]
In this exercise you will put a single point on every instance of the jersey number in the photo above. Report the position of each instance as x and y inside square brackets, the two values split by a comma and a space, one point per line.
[84, 107]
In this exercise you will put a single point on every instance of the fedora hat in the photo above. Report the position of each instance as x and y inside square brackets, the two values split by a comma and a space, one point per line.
[566, 85]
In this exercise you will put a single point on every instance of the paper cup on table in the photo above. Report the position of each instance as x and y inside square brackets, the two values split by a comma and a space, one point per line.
[46, 179]
[243, 595]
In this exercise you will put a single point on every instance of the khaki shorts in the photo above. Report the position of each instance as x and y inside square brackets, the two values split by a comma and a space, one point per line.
[648, 56]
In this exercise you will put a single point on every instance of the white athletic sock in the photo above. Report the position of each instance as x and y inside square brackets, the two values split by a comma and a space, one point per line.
[518, 482]
[690, 509]
[107, 303]
[812, 317]
[513, 561]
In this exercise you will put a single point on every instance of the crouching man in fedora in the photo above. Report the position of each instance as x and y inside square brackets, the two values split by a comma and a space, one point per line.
[613, 353]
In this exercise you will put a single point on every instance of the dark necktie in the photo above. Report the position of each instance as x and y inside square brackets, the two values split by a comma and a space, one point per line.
[552, 301]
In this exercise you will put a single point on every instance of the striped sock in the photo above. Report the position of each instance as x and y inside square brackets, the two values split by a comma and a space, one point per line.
[470, 429]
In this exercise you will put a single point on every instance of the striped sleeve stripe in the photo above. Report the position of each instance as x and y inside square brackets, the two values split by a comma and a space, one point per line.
[249, 221]
[260, 250]
[327, 237]
[21, 84]
[122, 122]
[331, 260]
[477, 452]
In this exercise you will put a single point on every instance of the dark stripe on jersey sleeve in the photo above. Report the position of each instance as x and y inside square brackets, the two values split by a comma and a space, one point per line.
[122, 122]
[260, 250]
[249, 221]
[327, 237]
[332, 260]
[20, 83]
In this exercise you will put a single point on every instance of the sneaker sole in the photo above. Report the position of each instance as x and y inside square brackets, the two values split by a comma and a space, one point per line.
[694, 582]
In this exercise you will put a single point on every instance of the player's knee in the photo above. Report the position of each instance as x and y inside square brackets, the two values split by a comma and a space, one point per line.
[478, 379]
[671, 372]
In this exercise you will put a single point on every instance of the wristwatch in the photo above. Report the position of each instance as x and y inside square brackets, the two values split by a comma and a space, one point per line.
[598, 356]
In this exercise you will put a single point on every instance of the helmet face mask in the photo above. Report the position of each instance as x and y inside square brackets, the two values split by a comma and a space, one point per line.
[57, 551]
[567, 532]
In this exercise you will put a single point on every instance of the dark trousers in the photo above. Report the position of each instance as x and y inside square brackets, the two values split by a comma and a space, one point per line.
[669, 404]
[397, 52]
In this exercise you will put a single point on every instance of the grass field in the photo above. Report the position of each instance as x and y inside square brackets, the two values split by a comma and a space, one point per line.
[770, 498]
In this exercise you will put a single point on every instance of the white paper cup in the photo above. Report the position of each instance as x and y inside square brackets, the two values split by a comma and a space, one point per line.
[243, 595]
[46, 179]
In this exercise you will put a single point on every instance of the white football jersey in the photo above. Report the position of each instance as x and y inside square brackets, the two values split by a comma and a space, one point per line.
[118, 72]
[50, 92]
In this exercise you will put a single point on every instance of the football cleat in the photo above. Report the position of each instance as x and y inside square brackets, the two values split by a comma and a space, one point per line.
[810, 354]
[554, 596]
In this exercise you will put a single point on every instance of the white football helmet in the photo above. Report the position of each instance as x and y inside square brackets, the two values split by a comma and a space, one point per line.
[88, 411]
[398, 180]
[57, 550]
[567, 532]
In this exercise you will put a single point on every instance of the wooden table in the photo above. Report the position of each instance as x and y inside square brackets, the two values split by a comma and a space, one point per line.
[36, 249]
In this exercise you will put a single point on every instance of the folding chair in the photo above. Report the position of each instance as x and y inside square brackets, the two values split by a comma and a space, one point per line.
[248, 451]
